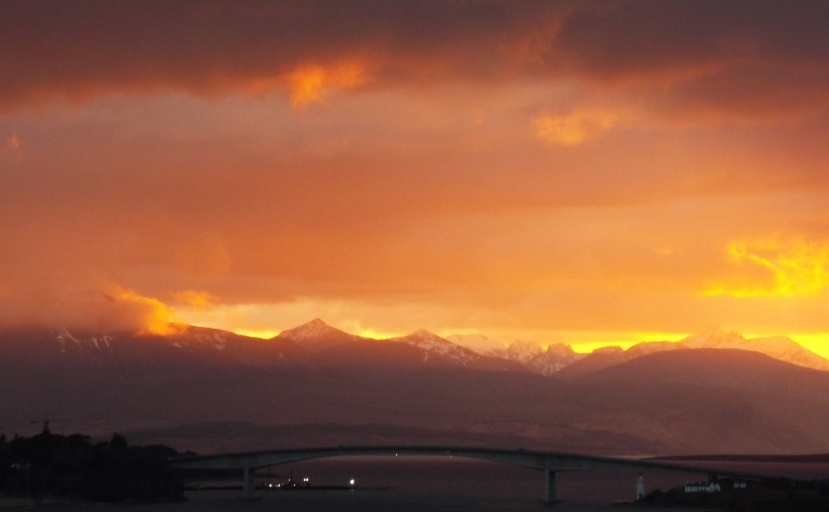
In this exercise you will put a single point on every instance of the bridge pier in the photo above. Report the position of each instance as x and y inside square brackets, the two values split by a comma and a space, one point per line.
[249, 486]
[549, 486]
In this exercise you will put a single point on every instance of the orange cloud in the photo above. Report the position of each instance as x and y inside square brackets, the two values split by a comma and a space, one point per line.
[199, 301]
[574, 128]
[309, 82]
[128, 309]
[92, 304]
[12, 142]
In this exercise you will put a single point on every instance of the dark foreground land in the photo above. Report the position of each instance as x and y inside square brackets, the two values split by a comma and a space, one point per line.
[73, 473]
[50, 468]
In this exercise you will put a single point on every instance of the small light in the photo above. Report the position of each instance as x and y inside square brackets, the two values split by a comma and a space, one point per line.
[352, 481]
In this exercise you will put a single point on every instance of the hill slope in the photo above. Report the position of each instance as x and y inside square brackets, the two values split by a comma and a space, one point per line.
[684, 401]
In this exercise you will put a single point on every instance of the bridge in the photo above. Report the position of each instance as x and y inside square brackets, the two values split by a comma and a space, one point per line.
[547, 462]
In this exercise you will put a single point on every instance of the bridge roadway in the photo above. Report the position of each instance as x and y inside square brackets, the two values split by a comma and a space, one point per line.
[547, 462]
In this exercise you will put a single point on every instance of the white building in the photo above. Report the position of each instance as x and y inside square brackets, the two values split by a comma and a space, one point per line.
[703, 487]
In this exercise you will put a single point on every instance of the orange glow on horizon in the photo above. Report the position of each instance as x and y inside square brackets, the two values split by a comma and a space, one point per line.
[816, 342]
[264, 334]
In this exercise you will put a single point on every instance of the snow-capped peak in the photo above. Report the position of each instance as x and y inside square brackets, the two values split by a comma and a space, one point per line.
[424, 336]
[714, 337]
[477, 342]
[311, 330]
[554, 359]
[317, 335]
[778, 347]
[523, 351]
[430, 342]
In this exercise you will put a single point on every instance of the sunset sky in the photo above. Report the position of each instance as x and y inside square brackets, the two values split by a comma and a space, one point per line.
[585, 172]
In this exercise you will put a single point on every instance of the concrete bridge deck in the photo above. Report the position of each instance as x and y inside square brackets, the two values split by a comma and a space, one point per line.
[547, 462]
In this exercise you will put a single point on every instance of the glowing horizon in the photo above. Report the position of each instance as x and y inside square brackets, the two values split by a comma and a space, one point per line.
[581, 342]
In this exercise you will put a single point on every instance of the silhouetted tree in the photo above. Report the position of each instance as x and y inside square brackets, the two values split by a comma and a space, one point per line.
[70, 466]
[118, 441]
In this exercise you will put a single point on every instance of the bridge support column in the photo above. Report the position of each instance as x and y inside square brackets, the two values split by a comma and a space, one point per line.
[549, 486]
[640, 487]
[249, 487]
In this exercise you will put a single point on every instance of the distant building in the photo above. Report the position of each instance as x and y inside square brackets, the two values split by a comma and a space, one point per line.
[716, 485]
[703, 487]
[640, 487]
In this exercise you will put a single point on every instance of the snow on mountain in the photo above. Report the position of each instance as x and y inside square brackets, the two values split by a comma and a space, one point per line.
[480, 352]
[476, 342]
[434, 344]
[447, 352]
[778, 347]
[523, 351]
[528, 354]
[182, 343]
[181, 337]
[64, 338]
[557, 357]
[716, 337]
[307, 331]
[316, 335]
[216, 339]
[518, 350]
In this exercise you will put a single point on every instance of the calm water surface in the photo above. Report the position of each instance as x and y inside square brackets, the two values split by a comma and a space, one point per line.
[431, 484]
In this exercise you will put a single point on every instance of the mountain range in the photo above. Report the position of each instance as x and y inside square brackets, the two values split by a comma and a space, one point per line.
[211, 390]
[557, 357]
[316, 342]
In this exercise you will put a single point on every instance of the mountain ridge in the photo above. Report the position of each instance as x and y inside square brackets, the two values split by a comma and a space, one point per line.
[307, 342]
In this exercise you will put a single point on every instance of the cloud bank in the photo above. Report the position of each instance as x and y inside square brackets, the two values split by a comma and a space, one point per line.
[743, 59]
[483, 165]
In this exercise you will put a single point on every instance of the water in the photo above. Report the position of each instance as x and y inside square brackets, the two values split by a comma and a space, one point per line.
[427, 483]
[416, 484]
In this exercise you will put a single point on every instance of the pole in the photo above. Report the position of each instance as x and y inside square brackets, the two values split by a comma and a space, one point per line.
[549, 486]
[249, 488]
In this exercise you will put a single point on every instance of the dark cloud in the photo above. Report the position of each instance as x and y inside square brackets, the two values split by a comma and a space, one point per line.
[624, 39]
[85, 48]
[745, 59]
